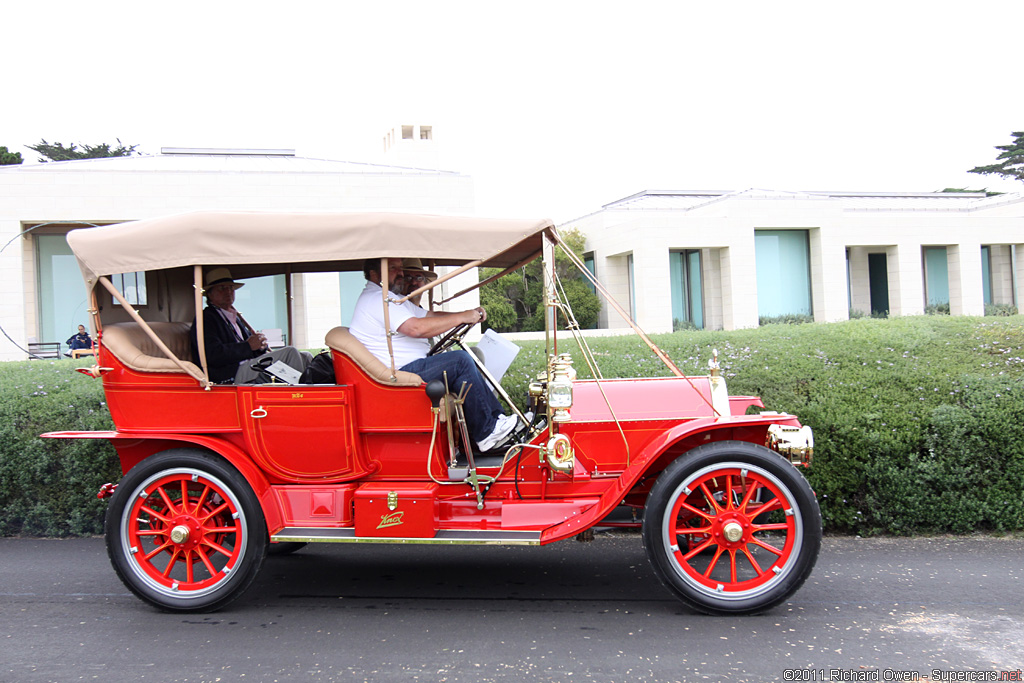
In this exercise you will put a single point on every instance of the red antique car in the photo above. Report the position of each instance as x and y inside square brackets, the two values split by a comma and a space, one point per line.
[215, 474]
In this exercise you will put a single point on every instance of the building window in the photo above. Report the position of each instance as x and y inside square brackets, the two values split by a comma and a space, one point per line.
[588, 262]
[62, 297]
[632, 287]
[426, 133]
[783, 260]
[936, 277]
[264, 302]
[350, 286]
[132, 287]
[878, 283]
[687, 289]
[986, 272]
[407, 132]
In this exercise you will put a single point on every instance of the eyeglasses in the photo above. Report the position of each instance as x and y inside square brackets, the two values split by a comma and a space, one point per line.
[415, 278]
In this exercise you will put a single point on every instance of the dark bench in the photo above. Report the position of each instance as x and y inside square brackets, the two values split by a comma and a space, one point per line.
[44, 349]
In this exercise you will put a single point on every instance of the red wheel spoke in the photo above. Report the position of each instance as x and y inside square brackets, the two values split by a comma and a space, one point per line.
[696, 551]
[220, 508]
[202, 500]
[694, 530]
[728, 492]
[701, 513]
[216, 547]
[779, 526]
[747, 495]
[153, 513]
[189, 575]
[206, 561]
[220, 529]
[714, 561]
[170, 563]
[769, 548]
[773, 504]
[753, 562]
[710, 498]
[732, 565]
[184, 495]
[167, 501]
[159, 549]
[155, 532]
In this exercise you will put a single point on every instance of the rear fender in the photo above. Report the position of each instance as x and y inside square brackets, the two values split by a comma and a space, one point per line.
[133, 449]
[652, 459]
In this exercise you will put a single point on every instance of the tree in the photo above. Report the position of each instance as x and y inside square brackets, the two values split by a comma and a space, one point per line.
[1011, 161]
[58, 152]
[514, 302]
[988, 192]
[9, 158]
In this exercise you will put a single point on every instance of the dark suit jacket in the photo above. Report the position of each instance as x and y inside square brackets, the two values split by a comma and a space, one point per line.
[223, 351]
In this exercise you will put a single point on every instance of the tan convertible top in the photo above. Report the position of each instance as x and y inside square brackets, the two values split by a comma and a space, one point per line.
[255, 244]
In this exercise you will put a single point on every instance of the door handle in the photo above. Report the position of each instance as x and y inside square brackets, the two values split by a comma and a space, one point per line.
[258, 413]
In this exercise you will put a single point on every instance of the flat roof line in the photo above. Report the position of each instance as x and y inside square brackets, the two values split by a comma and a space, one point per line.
[228, 151]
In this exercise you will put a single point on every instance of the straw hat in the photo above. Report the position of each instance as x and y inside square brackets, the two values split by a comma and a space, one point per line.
[416, 266]
[218, 276]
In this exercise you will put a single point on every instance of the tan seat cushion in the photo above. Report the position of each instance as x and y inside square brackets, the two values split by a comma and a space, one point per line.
[341, 340]
[133, 347]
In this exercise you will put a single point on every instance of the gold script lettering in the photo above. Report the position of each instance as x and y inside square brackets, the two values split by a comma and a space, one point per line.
[391, 519]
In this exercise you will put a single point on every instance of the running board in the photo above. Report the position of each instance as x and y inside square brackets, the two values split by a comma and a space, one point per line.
[444, 537]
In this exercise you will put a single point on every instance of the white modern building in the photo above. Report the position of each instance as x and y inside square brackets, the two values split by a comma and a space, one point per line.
[44, 296]
[725, 260]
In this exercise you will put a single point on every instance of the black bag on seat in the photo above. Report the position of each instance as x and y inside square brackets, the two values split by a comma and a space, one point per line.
[319, 371]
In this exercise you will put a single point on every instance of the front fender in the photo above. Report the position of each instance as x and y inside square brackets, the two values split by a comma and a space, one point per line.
[751, 428]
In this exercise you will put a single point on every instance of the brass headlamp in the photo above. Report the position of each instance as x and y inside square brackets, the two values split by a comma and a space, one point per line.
[560, 387]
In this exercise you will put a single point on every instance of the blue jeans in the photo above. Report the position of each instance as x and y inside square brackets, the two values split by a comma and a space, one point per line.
[481, 407]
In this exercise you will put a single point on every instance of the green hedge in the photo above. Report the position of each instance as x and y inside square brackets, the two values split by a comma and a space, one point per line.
[919, 422]
[48, 486]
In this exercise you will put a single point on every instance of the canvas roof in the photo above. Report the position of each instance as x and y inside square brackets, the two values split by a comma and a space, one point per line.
[255, 244]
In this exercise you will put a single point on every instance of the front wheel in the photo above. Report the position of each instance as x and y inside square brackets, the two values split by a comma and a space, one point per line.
[732, 528]
[185, 532]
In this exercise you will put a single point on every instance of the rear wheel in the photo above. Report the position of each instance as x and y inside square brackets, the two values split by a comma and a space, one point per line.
[185, 532]
[732, 528]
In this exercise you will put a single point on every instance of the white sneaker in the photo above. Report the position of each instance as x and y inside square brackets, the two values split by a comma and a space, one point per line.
[503, 426]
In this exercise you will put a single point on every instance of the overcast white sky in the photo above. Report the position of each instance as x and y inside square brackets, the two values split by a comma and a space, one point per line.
[554, 108]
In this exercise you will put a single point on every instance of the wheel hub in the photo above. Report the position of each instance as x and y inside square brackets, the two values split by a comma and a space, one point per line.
[732, 532]
[180, 534]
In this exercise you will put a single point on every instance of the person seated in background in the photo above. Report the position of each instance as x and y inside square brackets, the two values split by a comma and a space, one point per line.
[231, 344]
[80, 340]
[413, 327]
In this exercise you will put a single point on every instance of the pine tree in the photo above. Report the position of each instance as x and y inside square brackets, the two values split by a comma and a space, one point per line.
[1011, 161]
[59, 152]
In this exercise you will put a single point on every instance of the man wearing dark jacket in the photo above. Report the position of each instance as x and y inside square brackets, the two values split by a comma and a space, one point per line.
[232, 346]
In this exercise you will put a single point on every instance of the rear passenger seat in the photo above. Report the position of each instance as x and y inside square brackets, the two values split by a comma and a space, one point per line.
[133, 347]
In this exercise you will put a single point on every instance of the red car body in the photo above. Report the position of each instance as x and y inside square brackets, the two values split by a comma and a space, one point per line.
[216, 474]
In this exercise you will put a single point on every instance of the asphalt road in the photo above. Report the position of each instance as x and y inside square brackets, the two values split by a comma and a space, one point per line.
[874, 609]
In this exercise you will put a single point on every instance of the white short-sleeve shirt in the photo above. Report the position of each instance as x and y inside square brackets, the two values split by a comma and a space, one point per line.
[368, 327]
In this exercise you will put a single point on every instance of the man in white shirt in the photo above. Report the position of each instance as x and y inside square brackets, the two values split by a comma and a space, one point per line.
[413, 327]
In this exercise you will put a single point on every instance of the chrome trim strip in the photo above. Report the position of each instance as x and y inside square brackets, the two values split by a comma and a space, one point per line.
[444, 537]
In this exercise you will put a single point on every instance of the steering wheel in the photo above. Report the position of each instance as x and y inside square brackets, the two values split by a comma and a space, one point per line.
[451, 338]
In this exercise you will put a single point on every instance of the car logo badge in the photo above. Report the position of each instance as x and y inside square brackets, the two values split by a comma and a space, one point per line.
[391, 519]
